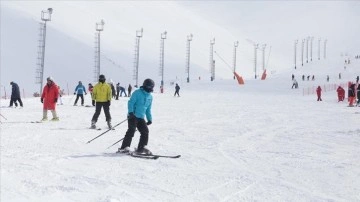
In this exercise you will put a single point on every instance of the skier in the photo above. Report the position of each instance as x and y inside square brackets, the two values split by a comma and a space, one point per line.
[61, 93]
[102, 95]
[117, 90]
[341, 93]
[49, 99]
[79, 92]
[15, 94]
[113, 91]
[294, 84]
[358, 95]
[129, 90]
[139, 106]
[177, 89]
[318, 92]
[90, 89]
[351, 95]
[122, 90]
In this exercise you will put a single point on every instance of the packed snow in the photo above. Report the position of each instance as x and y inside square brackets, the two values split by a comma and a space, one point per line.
[261, 141]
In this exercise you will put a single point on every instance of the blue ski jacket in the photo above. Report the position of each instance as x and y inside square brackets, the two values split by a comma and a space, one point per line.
[80, 89]
[140, 104]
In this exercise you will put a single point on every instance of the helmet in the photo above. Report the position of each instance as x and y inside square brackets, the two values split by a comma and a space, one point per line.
[102, 78]
[148, 85]
[50, 79]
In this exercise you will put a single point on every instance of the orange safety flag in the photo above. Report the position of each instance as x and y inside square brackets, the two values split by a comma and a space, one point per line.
[239, 79]
[263, 77]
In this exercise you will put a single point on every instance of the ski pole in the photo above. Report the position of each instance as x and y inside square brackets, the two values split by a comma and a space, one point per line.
[3, 116]
[106, 131]
[115, 143]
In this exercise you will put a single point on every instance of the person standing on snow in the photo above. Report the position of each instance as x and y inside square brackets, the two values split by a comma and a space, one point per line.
[117, 90]
[49, 99]
[129, 90]
[90, 89]
[15, 94]
[102, 95]
[79, 91]
[177, 89]
[318, 92]
[358, 95]
[351, 95]
[341, 93]
[294, 84]
[139, 106]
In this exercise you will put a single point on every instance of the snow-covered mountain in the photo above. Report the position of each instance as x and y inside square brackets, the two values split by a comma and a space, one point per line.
[70, 37]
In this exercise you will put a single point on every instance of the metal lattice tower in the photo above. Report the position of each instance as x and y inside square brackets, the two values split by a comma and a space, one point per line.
[99, 27]
[311, 47]
[295, 45]
[325, 41]
[263, 56]
[187, 70]
[45, 16]
[256, 46]
[319, 41]
[161, 69]
[212, 61]
[236, 44]
[139, 34]
[307, 49]
[302, 52]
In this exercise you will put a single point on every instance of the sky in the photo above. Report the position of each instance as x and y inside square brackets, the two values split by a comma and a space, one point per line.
[261, 141]
[70, 37]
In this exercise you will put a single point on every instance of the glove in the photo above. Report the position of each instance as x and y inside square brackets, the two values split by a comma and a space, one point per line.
[74, 93]
[149, 123]
[109, 103]
[131, 115]
[55, 100]
[42, 100]
[93, 102]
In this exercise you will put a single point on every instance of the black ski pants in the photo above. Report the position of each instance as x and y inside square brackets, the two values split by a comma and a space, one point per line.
[140, 124]
[98, 106]
[77, 98]
[13, 100]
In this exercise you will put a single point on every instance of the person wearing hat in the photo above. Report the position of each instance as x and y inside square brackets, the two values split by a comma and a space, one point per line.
[101, 95]
[79, 92]
[15, 94]
[139, 107]
[49, 99]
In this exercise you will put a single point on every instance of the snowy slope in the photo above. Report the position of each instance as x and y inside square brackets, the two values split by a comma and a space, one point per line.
[259, 142]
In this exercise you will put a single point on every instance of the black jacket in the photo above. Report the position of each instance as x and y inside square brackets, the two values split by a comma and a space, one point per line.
[15, 91]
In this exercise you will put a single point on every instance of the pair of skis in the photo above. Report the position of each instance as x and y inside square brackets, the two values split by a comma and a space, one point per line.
[149, 156]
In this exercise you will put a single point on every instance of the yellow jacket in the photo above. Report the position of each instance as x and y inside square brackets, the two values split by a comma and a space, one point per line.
[101, 92]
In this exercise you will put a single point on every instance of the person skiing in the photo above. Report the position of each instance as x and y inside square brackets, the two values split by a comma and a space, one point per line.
[177, 89]
[49, 99]
[113, 90]
[351, 95]
[117, 90]
[341, 93]
[61, 93]
[122, 90]
[294, 84]
[129, 90]
[139, 106]
[90, 89]
[358, 95]
[15, 94]
[79, 92]
[318, 92]
[102, 95]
